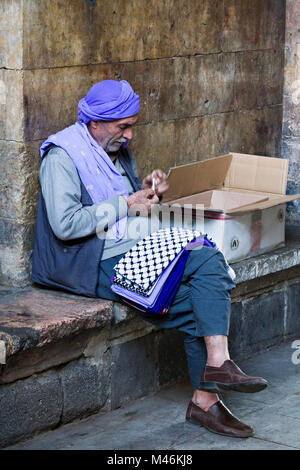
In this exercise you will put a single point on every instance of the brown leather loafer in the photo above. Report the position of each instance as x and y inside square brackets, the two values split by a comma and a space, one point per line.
[229, 377]
[218, 419]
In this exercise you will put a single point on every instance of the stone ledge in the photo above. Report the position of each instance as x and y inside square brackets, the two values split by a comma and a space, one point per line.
[35, 317]
[282, 258]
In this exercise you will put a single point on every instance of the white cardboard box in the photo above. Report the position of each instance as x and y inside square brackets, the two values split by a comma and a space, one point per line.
[244, 199]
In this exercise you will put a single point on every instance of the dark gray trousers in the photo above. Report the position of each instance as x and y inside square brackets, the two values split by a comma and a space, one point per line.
[201, 306]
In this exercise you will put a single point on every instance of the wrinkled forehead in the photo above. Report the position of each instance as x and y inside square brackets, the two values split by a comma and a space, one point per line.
[130, 121]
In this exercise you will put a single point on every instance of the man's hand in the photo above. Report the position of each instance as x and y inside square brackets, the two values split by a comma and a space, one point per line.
[161, 182]
[142, 202]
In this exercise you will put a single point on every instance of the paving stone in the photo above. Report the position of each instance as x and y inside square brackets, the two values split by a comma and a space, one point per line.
[243, 404]
[277, 368]
[173, 432]
[205, 442]
[276, 364]
[289, 406]
[144, 416]
[275, 427]
[179, 393]
[271, 395]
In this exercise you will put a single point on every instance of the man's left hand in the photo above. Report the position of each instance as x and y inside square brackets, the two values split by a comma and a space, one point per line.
[161, 182]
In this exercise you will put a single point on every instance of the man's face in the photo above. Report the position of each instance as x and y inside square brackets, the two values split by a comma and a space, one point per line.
[112, 134]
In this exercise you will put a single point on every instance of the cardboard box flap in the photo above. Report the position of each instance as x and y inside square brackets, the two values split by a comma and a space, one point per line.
[273, 200]
[257, 173]
[219, 201]
[193, 178]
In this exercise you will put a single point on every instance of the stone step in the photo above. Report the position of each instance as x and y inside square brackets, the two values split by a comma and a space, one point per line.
[33, 317]
[158, 422]
[68, 356]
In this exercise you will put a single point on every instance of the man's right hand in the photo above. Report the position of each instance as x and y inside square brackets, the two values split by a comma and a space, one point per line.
[142, 202]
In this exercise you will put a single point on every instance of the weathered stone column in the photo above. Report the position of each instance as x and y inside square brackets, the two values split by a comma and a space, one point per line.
[290, 147]
[18, 166]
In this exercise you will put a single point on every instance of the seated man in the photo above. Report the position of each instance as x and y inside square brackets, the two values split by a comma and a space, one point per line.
[89, 191]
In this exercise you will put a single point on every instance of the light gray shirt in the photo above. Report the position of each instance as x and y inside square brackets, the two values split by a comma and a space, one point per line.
[61, 189]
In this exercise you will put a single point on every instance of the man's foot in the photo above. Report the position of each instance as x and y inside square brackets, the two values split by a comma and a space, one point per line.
[218, 419]
[229, 377]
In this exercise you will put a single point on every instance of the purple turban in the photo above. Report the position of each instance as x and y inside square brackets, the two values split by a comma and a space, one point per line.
[107, 101]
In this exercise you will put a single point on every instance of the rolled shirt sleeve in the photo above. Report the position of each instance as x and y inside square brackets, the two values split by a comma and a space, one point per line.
[61, 189]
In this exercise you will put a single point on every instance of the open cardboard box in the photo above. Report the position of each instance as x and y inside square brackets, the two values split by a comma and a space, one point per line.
[244, 199]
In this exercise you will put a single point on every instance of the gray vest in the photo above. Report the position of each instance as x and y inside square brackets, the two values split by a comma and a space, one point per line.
[72, 265]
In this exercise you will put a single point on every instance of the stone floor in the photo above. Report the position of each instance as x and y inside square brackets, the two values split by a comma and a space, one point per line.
[158, 422]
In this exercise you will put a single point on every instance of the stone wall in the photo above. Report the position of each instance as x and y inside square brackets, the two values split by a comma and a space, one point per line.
[209, 74]
[291, 104]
